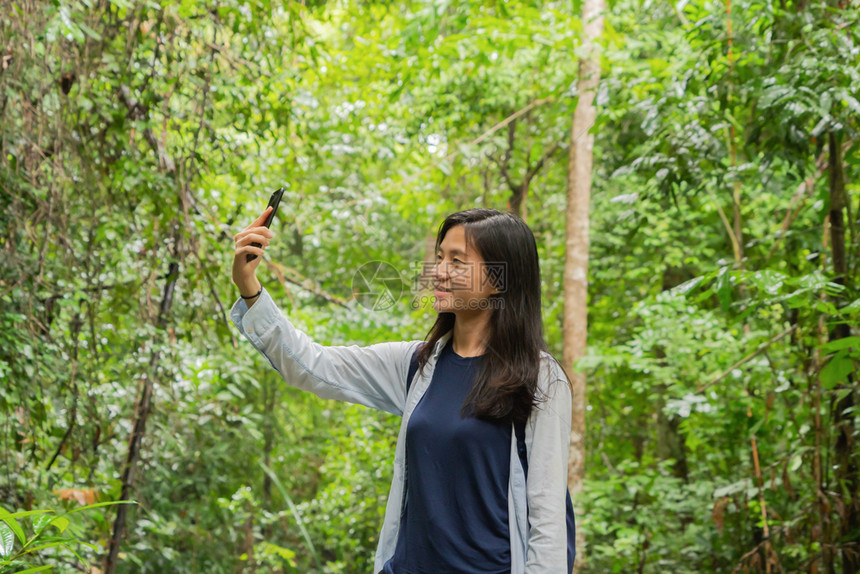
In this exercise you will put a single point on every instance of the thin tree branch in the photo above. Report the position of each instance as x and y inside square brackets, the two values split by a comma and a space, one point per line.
[301, 281]
[215, 296]
[503, 169]
[138, 111]
[476, 141]
[736, 248]
[797, 201]
[539, 165]
[761, 348]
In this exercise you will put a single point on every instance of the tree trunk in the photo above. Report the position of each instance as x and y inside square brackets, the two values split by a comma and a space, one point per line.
[671, 443]
[142, 409]
[576, 247]
[270, 392]
[845, 468]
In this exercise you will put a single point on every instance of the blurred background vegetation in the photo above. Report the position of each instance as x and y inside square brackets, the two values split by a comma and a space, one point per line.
[138, 136]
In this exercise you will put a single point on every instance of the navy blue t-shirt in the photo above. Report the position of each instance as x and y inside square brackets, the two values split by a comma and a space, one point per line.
[455, 520]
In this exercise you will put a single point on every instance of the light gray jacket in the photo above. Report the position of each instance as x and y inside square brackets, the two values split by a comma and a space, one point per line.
[375, 376]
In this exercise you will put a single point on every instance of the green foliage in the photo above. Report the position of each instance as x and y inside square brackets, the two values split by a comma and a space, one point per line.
[53, 535]
[139, 135]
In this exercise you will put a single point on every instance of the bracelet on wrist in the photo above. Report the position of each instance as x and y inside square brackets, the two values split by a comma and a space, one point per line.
[251, 296]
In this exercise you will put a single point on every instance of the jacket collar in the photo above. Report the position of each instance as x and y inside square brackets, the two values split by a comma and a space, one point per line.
[440, 344]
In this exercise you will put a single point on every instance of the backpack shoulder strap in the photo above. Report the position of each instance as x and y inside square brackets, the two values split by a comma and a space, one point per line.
[570, 519]
[520, 430]
[413, 367]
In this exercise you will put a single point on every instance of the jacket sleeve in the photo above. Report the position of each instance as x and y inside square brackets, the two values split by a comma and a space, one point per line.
[373, 376]
[546, 485]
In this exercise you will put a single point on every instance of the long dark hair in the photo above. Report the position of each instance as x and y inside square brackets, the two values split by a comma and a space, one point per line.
[505, 385]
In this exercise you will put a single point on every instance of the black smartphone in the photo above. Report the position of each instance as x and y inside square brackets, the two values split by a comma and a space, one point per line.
[274, 201]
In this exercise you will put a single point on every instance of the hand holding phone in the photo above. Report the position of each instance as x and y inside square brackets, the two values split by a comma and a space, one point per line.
[274, 202]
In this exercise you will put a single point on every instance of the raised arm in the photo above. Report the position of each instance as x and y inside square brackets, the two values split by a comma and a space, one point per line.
[373, 376]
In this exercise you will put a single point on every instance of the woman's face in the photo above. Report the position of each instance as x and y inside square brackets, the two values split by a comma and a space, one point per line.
[460, 277]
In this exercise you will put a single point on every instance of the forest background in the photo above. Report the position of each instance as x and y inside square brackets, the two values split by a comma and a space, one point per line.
[139, 136]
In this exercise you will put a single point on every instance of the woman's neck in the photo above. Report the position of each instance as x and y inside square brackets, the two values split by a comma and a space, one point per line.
[471, 334]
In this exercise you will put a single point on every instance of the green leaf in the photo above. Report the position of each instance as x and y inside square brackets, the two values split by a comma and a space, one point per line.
[839, 344]
[796, 462]
[40, 523]
[294, 510]
[723, 288]
[688, 286]
[60, 523]
[100, 504]
[733, 488]
[49, 545]
[35, 569]
[6, 517]
[90, 32]
[7, 539]
[22, 514]
[850, 309]
[754, 429]
[836, 370]
[850, 101]
[774, 94]
[284, 553]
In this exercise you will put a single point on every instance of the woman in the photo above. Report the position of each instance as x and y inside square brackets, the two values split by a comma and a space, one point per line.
[459, 501]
